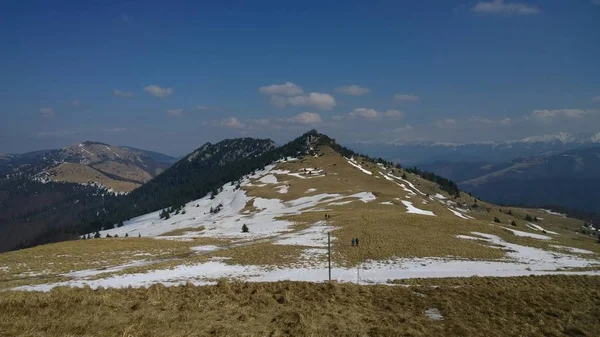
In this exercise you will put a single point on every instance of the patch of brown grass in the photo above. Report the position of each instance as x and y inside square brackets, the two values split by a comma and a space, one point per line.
[530, 306]
[79, 173]
[57, 258]
[263, 254]
[183, 231]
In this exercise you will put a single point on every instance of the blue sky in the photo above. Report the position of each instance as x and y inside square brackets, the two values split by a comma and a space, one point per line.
[170, 76]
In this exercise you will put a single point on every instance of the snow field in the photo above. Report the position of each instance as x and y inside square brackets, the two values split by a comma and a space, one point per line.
[521, 261]
[412, 209]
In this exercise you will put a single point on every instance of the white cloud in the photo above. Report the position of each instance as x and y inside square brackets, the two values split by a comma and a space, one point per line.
[115, 130]
[371, 114]
[306, 118]
[232, 122]
[597, 98]
[47, 112]
[314, 99]
[549, 115]
[394, 113]
[353, 90]
[175, 112]
[120, 93]
[206, 108]
[260, 121]
[478, 121]
[504, 8]
[405, 128]
[448, 123]
[365, 113]
[406, 97]
[286, 89]
[157, 91]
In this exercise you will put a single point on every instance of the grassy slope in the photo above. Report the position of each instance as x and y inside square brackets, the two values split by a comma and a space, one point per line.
[386, 231]
[525, 306]
[79, 173]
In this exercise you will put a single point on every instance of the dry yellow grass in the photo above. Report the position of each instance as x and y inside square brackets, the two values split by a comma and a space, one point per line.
[183, 231]
[128, 172]
[263, 254]
[48, 261]
[525, 306]
[79, 173]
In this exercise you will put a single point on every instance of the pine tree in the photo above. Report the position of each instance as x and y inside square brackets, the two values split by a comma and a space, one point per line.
[528, 218]
[97, 235]
[167, 216]
[88, 236]
[404, 176]
[126, 235]
[496, 220]
[509, 212]
[139, 235]
[211, 210]
[183, 211]
[535, 219]
[513, 223]
[245, 228]
[116, 235]
[108, 235]
[120, 224]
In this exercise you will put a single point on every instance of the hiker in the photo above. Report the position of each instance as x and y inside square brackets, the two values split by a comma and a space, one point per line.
[353, 241]
[356, 240]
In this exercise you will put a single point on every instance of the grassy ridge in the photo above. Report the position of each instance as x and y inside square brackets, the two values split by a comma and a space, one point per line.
[524, 306]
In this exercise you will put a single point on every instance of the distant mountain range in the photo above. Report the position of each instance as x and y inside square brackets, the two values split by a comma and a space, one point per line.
[570, 179]
[121, 169]
[417, 152]
[45, 195]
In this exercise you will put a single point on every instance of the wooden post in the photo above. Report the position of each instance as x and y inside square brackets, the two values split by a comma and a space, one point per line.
[329, 253]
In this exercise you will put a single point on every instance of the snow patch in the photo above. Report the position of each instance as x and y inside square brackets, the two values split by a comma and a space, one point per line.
[539, 228]
[526, 234]
[553, 213]
[358, 166]
[314, 236]
[573, 249]
[460, 215]
[207, 248]
[268, 179]
[413, 209]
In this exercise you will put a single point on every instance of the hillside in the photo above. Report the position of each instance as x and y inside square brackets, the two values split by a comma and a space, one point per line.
[47, 195]
[408, 227]
[119, 169]
[272, 224]
[541, 180]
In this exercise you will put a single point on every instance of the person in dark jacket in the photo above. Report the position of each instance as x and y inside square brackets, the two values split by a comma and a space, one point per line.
[356, 240]
[353, 242]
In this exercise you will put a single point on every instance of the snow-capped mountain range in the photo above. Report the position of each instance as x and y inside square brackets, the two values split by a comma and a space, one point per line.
[415, 152]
